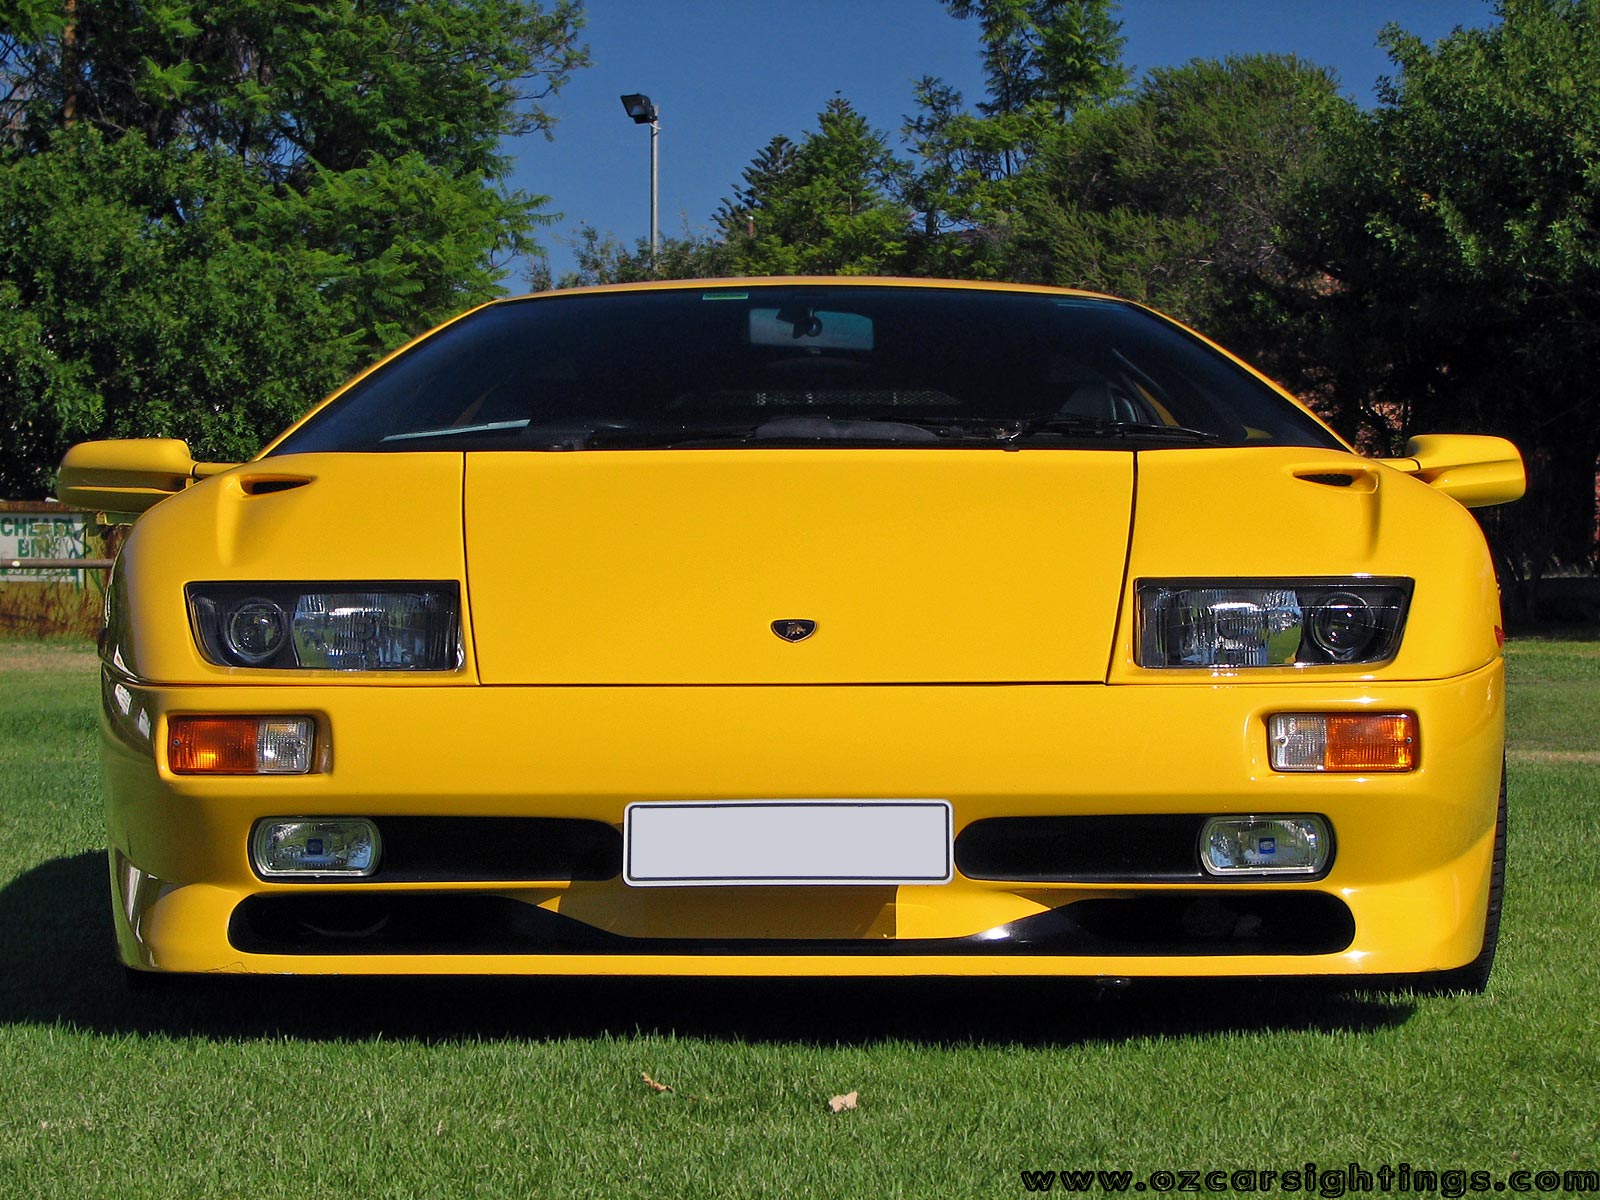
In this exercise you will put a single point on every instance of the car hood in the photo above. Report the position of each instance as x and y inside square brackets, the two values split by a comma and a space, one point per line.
[916, 566]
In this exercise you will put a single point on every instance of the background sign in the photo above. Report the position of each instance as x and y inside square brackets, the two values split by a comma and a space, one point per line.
[41, 535]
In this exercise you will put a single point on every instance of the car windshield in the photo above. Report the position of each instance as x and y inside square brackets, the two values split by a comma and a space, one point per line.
[801, 365]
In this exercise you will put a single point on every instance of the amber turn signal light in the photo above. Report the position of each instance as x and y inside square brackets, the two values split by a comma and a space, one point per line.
[1352, 742]
[239, 745]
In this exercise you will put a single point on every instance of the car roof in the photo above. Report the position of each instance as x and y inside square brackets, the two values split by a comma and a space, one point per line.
[862, 281]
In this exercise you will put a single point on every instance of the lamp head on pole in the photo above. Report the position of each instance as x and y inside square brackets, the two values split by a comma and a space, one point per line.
[640, 109]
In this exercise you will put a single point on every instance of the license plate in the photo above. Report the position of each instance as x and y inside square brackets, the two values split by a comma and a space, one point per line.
[807, 842]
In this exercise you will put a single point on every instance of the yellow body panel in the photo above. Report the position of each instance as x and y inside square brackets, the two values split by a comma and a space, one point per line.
[1282, 524]
[673, 564]
[1412, 850]
[1411, 862]
[340, 524]
[1471, 469]
[977, 633]
[126, 476]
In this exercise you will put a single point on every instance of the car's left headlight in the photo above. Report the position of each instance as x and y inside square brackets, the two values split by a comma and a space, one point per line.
[342, 627]
[1270, 622]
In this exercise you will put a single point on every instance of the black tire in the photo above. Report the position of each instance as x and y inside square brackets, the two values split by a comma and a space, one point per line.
[150, 983]
[1473, 978]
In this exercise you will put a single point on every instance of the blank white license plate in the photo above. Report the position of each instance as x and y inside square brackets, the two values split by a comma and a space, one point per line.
[816, 842]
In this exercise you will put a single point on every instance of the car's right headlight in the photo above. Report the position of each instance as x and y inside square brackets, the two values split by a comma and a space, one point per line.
[1270, 622]
[341, 627]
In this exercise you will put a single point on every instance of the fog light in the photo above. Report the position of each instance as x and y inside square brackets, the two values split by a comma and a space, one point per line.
[239, 745]
[1293, 845]
[1343, 741]
[283, 846]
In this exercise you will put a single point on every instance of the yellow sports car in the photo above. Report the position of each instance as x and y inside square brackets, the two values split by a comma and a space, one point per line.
[806, 627]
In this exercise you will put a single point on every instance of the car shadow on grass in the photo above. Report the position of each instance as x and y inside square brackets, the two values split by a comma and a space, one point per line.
[59, 968]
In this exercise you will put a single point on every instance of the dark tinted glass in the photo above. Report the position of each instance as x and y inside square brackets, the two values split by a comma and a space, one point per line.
[796, 364]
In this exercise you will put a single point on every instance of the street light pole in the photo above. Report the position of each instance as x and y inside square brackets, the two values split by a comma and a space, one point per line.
[642, 112]
[655, 224]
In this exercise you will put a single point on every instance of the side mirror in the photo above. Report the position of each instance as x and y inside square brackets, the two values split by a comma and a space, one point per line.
[121, 479]
[1473, 469]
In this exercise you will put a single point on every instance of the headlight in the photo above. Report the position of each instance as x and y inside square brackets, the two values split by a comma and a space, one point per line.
[340, 627]
[1270, 623]
[254, 629]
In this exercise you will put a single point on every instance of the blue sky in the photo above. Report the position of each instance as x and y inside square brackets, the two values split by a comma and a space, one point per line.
[728, 75]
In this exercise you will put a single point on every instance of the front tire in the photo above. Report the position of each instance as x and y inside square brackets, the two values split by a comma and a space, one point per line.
[146, 983]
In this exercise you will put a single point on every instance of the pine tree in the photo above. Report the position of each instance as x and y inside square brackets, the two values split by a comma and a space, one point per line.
[1043, 61]
[824, 206]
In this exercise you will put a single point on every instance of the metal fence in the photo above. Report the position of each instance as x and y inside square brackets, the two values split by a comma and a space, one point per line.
[56, 564]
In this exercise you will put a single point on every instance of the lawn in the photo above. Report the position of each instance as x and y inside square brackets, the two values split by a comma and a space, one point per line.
[455, 1088]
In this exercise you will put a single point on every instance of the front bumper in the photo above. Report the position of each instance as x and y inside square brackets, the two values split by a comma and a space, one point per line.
[1406, 892]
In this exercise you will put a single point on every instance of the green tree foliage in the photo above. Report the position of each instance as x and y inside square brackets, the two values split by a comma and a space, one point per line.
[1054, 53]
[824, 206]
[604, 259]
[1043, 61]
[767, 175]
[1457, 227]
[1181, 197]
[115, 321]
[289, 86]
[214, 212]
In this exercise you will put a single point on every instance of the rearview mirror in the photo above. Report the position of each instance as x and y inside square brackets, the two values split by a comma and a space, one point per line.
[121, 479]
[1470, 468]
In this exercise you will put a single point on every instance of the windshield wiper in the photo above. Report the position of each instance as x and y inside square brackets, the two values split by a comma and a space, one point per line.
[770, 431]
[663, 437]
[790, 430]
[1070, 425]
[458, 430]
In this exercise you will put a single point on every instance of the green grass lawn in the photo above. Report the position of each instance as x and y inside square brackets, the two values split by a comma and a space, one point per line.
[453, 1088]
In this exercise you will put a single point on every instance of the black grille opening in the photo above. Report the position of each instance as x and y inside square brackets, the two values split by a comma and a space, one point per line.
[1127, 848]
[1214, 922]
[416, 923]
[1209, 922]
[1087, 849]
[488, 850]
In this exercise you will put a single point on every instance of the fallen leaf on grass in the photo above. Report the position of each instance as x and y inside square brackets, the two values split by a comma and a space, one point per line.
[656, 1085]
[845, 1102]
